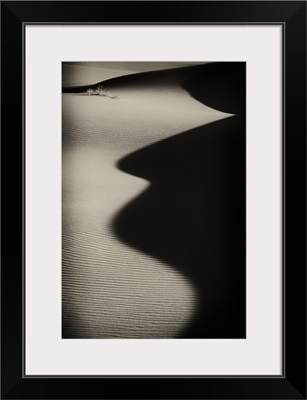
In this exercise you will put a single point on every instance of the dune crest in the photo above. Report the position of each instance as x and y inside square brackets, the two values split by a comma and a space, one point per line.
[162, 88]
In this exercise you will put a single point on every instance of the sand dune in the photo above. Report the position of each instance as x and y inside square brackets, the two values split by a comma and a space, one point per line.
[111, 289]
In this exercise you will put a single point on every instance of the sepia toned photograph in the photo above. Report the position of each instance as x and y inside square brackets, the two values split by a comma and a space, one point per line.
[153, 200]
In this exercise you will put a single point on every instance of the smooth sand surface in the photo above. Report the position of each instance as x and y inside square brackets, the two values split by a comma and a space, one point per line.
[110, 289]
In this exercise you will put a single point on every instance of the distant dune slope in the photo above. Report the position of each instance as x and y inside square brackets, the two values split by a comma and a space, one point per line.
[142, 81]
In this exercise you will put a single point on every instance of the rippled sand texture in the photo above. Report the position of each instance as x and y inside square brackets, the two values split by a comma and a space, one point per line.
[111, 289]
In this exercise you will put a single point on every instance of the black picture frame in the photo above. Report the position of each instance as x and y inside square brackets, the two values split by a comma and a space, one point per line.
[292, 16]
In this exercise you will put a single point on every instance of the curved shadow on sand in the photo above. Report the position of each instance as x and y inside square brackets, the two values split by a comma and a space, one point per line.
[193, 214]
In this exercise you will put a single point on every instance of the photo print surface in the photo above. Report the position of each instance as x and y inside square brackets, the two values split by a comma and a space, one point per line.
[153, 200]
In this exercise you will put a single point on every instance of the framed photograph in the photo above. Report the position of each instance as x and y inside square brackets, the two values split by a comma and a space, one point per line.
[153, 200]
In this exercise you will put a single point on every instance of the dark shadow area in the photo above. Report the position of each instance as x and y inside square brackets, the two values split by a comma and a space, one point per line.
[193, 214]
[220, 86]
[193, 218]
